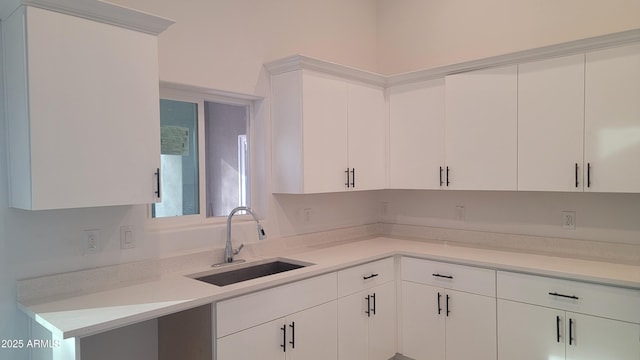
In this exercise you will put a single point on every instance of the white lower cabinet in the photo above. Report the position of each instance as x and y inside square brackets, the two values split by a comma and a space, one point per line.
[367, 317]
[307, 335]
[367, 324]
[442, 317]
[552, 319]
[292, 321]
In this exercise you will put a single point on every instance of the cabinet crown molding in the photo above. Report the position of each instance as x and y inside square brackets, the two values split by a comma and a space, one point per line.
[96, 10]
[299, 62]
[302, 62]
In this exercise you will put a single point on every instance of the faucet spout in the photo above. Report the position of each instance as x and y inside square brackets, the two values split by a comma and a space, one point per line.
[228, 250]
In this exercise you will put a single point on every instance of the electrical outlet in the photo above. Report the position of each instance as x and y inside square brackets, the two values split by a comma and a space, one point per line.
[569, 220]
[92, 241]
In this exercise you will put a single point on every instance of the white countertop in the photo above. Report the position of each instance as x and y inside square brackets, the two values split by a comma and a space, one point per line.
[93, 313]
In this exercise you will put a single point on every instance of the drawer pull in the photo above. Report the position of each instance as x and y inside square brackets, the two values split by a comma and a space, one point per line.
[284, 338]
[370, 276]
[448, 305]
[373, 310]
[368, 312]
[570, 331]
[564, 296]
[558, 328]
[293, 335]
[443, 276]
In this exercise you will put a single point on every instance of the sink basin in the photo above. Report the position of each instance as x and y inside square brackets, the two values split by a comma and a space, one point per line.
[249, 272]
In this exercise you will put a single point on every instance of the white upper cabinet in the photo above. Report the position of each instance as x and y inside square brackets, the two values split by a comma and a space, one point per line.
[328, 133]
[366, 136]
[416, 135]
[612, 120]
[481, 129]
[82, 108]
[551, 124]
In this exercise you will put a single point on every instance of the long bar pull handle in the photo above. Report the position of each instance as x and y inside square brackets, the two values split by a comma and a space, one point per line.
[588, 175]
[439, 307]
[369, 276]
[441, 182]
[564, 296]
[447, 303]
[284, 338]
[447, 176]
[443, 276]
[576, 175]
[558, 328]
[353, 178]
[293, 335]
[373, 310]
[368, 312]
[157, 174]
[347, 184]
[571, 331]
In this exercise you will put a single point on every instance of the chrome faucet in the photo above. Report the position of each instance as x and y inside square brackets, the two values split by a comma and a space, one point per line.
[229, 251]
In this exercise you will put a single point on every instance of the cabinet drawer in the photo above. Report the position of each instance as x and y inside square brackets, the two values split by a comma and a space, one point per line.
[365, 276]
[450, 276]
[599, 300]
[256, 308]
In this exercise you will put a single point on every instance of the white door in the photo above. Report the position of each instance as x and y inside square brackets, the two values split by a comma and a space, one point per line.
[264, 342]
[529, 332]
[312, 334]
[470, 326]
[551, 124]
[324, 130]
[423, 321]
[416, 135]
[366, 136]
[595, 338]
[481, 129]
[612, 119]
[353, 323]
[382, 323]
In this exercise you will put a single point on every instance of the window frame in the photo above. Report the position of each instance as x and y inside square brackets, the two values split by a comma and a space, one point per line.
[198, 95]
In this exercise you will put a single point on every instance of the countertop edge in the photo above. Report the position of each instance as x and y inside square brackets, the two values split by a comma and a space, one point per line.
[375, 249]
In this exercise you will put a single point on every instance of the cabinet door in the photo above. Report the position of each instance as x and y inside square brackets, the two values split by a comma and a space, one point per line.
[612, 119]
[259, 342]
[470, 326]
[481, 129]
[366, 136]
[324, 113]
[382, 323]
[314, 334]
[416, 135]
[87, 131]
[530, 332]
[594, 338]
[551, 124]
[423, 321]
[353, 327]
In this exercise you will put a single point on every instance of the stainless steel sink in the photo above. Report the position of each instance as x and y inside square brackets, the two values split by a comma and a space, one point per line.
[249, 272]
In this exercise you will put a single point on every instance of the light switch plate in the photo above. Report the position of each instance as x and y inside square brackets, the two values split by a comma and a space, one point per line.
[127, 237]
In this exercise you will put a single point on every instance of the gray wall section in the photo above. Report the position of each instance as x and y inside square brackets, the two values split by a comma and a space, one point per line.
[223, 124]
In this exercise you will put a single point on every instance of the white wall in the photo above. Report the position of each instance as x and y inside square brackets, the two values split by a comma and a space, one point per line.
[222, 44]
[419, 34]
[219, 44]
[602, 217]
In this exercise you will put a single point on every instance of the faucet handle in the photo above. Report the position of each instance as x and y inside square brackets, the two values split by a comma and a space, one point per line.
[237, 251]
